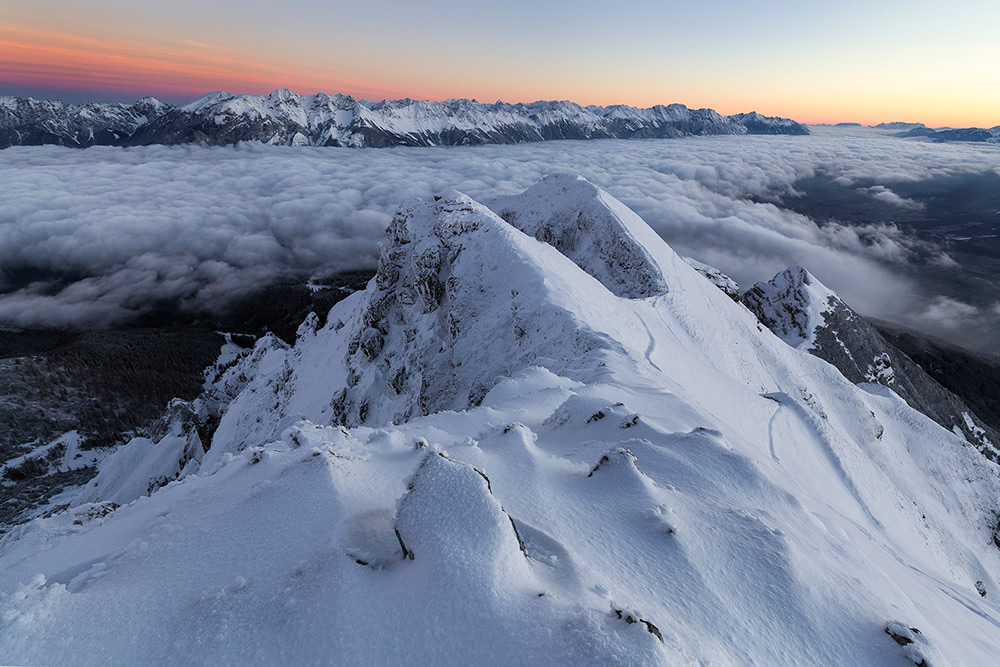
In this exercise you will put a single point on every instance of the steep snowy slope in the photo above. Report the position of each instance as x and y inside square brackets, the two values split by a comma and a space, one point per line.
[807, 314]
[574, 477]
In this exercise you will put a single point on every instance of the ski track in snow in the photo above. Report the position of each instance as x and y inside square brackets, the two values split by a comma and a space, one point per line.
[651, 347]
[770, 431]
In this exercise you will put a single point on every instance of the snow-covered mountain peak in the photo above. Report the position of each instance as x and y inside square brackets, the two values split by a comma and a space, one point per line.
[284, 95]
[454, 274]
[792, 305]
[600, 234]
[151, 107]
[207, 100]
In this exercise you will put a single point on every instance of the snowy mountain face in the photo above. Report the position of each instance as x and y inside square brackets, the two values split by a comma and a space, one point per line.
[535, 437]
[284, 118]
[600, 235]
[806, 314]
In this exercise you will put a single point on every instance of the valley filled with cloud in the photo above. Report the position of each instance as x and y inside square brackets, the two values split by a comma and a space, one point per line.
[97, 237]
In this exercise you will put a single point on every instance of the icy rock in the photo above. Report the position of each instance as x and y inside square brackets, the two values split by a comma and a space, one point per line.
[631, 617]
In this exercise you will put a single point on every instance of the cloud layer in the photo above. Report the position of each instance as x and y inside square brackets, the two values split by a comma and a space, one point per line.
[96, 237]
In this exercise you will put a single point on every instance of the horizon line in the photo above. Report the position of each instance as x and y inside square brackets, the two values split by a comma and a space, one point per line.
[450, 99]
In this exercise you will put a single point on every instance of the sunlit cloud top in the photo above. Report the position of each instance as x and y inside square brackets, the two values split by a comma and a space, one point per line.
[829, 62]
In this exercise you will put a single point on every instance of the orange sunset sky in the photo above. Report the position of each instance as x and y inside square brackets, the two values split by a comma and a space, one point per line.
[826, 63]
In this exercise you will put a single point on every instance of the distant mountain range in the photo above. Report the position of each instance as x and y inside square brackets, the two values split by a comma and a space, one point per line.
[284, 118]
[939, 135]
[897, 125]
[916, 130]
[976, 134]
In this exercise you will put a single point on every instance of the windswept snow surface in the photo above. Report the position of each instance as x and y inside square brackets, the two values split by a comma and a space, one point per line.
[573, 477]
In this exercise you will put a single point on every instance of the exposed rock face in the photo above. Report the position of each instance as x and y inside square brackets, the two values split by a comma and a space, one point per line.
[454, 274]
[806, 314]
[975, 377]
[285, 118]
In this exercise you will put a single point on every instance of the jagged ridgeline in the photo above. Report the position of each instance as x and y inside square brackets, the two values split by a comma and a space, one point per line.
[285, 118]
[538, 435]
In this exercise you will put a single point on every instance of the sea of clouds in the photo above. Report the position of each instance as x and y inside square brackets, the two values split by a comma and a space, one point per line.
[96, 237]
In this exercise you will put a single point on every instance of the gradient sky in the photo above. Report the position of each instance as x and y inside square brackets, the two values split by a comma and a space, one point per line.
[855, 61]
